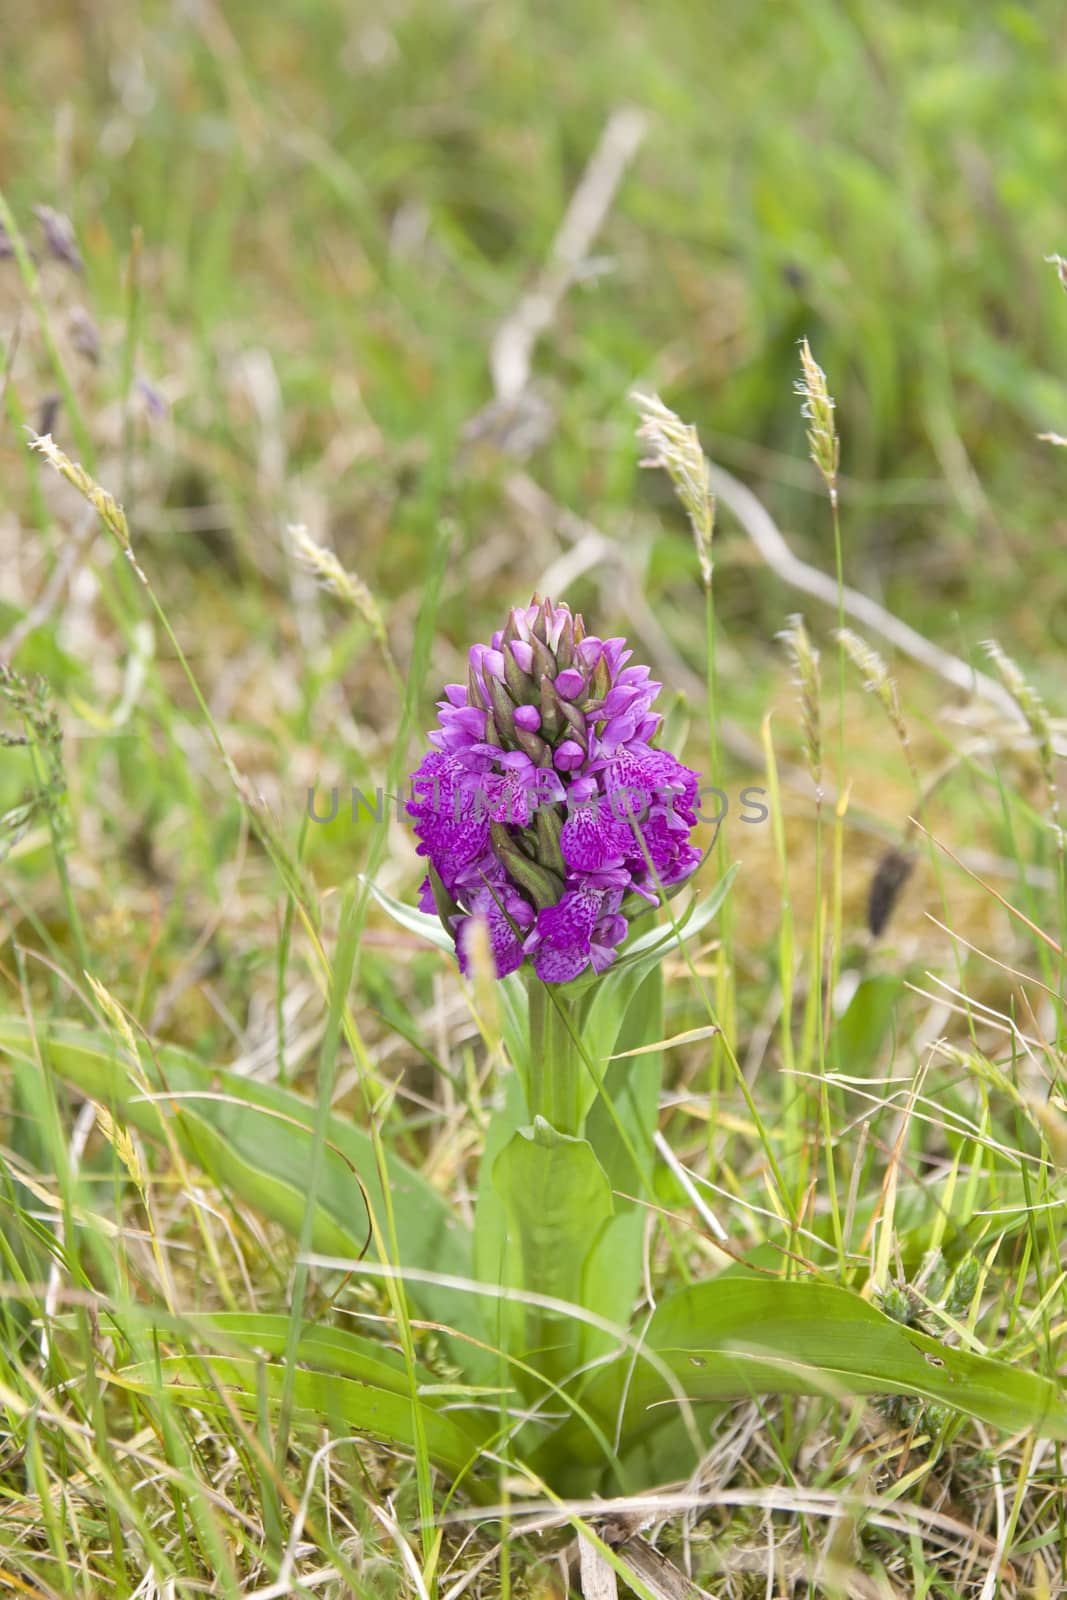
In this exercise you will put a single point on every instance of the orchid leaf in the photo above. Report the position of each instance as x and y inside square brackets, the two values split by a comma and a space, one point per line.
[255, 1140]
[556, 1200]
[618, 1127]
[415, 921]
[210, 1382]
[735, 1337]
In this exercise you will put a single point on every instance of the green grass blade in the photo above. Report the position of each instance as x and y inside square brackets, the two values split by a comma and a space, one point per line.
[347, 1403]
[337, 1350]
[255, 1139]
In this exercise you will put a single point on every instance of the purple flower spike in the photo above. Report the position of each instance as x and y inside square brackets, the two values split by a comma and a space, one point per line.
[542, 803]
[443, 803]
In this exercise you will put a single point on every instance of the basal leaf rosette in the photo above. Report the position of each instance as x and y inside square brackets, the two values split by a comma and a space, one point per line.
[543, 806]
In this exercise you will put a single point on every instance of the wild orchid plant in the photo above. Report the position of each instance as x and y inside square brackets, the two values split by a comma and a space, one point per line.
[554, 826]
[557, 831]
[546, 812]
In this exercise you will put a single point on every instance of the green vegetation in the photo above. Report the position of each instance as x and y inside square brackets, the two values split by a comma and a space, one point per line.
[319, 277]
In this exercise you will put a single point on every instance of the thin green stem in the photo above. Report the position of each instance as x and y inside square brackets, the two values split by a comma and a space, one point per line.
[554, 1077]
[724, 973]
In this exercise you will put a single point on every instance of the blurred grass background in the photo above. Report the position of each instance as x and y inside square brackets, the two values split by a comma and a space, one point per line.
[339, 204]
[330, 210]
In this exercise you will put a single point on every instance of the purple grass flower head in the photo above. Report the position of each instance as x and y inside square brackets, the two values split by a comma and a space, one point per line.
[543, 806]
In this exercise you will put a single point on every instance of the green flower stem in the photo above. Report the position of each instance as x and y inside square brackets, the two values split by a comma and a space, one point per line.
[553, 1083]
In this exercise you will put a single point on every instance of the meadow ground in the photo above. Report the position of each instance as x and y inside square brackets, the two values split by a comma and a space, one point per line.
[391, 275]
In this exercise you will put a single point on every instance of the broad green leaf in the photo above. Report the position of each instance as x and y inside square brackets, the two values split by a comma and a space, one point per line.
[725, 1340]
[338, 1350]
[515, 1017]
[345, 1403]
[621, 1120]
[607, 1000]
[556, 1200]
[256, 1141]
[333, 1349]
[619, 1127]
[613, 1278]
[490, 1217]
[865, 1024]
[512, 991]
[607, 995]
[648, 950]
[694, 919]
[650, 947]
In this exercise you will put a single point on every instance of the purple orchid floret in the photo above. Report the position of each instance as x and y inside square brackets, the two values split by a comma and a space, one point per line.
[445, 804]
[507, 916]
[593, 837]
[543, 804]
[565, 938]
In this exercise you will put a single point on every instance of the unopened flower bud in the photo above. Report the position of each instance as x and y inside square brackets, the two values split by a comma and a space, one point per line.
[544, 887]
[521, 655]
[475, 697]
[552, 718]
[503, 708]
[569, 756]
[544, 662]
[601, 682]
[548, 825]
[565, 648]
[538, 751]
[576, 724]
[519, 686]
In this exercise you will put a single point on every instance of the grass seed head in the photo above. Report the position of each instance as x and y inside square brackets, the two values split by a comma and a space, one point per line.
[806, 675]
[818, 410]
[877, 680]
[338, 580]
[104, 504]
[1035, 714]
[677, 450]
[121, 1141]
[114, 1013]
[30, 700]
